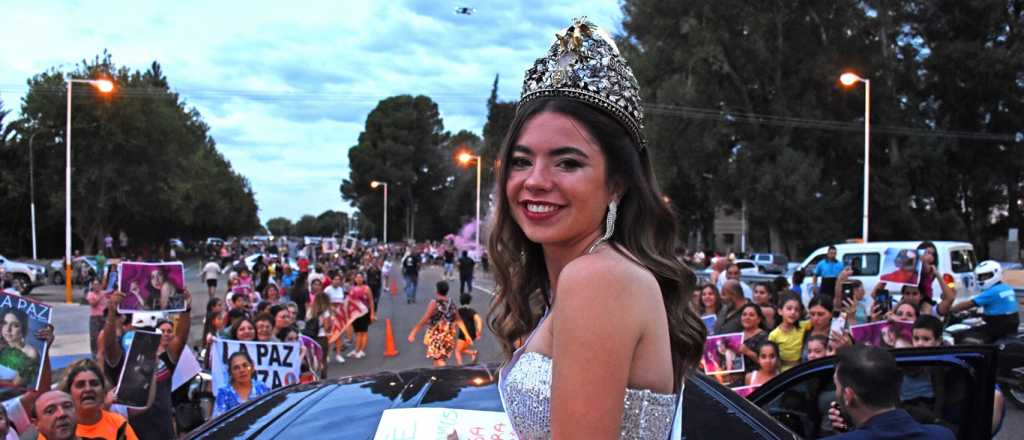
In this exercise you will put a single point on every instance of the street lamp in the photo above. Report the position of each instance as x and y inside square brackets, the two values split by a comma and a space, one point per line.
[32, 192]
[848, 79]
[104, 86]
[374, 185]
[465, 158]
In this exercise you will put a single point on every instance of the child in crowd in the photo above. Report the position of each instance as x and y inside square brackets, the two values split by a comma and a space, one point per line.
[817, 347]
[768, 364]
[789, 335]
[474, 325]
[320, 321]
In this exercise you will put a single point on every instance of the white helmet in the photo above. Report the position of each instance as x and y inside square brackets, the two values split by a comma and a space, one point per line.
[989, 273]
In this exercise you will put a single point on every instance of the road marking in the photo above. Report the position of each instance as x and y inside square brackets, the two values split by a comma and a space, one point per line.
[489, 292]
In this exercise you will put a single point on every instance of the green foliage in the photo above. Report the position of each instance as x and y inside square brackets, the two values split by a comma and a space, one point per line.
[769, 70]
[405, 145]
[142, 163]
[279, 226]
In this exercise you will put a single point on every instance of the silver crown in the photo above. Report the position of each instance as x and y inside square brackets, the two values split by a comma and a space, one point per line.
[584, 64]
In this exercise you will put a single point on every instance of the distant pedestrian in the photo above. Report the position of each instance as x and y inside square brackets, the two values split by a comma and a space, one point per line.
[411, 274]
[210, 273]
[97, 300]
[449, 262]
[466, 266]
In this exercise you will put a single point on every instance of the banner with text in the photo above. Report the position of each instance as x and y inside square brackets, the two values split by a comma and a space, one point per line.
[277, 364]
[21, 353]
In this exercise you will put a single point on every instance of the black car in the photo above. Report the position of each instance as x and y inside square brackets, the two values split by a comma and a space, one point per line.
[351, 407]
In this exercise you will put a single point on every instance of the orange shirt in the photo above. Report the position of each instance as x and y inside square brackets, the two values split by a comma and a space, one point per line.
[106, 428]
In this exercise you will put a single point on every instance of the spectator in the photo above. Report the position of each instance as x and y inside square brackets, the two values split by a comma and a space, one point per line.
[732, 272]
[466, 266]
[85, 384]
[867, 381]
[210, 273]
[819, 312]
[265, 328]
[816, 347]
[157, 420]
[766, 298]
[54, 416]
[474, 327]
[97, 300]
[360, 293]
[798, 281]
[789, 335]
[732, 297]
[753, 333]
[242, 387]
[299, 293]
[858, 304]
[411, 274]
[243, 330]
[767, 364]
[374, 280]
[827, 270]
[710, 301]
[449, 263]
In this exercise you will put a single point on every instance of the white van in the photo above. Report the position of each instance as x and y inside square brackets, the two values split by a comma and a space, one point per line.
[955, 262]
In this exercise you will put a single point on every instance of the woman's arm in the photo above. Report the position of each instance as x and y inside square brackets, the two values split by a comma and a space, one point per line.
[181, 329]
[431, 308]
[109, 338]
[479, 325]
[595, 334]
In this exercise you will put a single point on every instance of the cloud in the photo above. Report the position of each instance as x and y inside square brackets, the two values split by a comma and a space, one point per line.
[286, 87]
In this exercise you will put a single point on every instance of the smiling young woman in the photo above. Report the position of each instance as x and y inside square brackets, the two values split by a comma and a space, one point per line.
[592, 307]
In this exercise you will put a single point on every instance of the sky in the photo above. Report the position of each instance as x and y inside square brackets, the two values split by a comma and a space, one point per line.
[286, 86]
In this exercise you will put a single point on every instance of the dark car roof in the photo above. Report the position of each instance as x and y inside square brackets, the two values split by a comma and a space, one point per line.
[351, 407]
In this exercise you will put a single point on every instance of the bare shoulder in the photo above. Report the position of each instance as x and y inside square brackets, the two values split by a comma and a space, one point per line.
[608, 277]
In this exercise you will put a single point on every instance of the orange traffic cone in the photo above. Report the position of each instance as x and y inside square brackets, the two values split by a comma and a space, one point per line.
[389, 344]
[394, 287]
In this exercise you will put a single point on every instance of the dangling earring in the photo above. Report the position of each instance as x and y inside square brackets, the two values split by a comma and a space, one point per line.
[609, 221]
[609, 226]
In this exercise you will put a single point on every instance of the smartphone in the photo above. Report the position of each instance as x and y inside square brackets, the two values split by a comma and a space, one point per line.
[884, 301]
[847, 289]
[844, 415]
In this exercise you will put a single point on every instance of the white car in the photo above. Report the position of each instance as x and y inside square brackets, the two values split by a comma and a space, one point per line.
[24, 276]
[955, 262]
[251, 260]
[747, 267]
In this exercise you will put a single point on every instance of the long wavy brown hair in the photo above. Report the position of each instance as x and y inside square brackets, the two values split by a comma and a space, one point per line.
[645, 228]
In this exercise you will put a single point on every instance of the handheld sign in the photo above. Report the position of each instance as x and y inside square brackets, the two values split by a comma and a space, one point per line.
[21, 359]
[440, 423]
[277, 364]
[138, 369]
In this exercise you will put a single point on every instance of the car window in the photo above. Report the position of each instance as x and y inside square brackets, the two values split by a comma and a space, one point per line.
[745, 265]
[762, 257]
[931, 392]
[962, 260]
[809, 268]
[863, 264]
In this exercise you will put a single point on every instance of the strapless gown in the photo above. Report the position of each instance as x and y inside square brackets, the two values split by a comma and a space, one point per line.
[525, 388]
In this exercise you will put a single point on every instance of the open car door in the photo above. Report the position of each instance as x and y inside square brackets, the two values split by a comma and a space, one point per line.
[949, 386]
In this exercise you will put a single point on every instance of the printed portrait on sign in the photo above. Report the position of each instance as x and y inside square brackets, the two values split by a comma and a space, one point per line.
[152, 287]
[21, 352]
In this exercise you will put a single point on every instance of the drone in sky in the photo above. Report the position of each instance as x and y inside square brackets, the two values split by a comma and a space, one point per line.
[465, 10]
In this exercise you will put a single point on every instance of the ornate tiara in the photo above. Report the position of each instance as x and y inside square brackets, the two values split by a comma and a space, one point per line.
[584, 64]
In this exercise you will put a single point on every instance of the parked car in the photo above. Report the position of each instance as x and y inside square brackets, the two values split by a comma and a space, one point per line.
[771, 263]
[176, 243]
[56, 272]
[966, 374]
[24, 276]
[955, 260]
[214, 241]
[351, 407]
[747, 267]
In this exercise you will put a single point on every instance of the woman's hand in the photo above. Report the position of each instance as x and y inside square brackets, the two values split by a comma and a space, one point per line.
[45, 334]
[412, 337]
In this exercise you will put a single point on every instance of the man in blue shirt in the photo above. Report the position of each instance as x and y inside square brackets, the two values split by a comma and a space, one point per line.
[867, 383]
[828, 270]
[1002, 313]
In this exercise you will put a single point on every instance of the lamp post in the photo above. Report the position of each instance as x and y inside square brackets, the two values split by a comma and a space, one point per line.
[849, 79]
[465, 158]
[374, 185]
[32, 192]
[104, 86]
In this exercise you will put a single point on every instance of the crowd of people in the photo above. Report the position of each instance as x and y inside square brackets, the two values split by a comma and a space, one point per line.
[783, 327]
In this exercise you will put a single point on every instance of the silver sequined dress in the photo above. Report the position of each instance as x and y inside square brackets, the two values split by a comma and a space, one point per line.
[525, 388]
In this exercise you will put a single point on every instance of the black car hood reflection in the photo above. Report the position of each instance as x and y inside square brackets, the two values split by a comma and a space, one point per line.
[351, 407]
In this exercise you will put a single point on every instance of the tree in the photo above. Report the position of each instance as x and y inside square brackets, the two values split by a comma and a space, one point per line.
[142, 163]
[403, 144]
[279, 226]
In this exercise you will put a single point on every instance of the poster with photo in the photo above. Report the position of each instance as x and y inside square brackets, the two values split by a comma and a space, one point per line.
[329, 245]
[350, 243]
[722, 354]
[21, 353]
[709, 323]
[138, 369]
[900, 267]
[888, 334]
[152, 287]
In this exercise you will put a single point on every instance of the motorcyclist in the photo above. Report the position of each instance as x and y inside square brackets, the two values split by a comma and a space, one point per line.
[998, 301]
